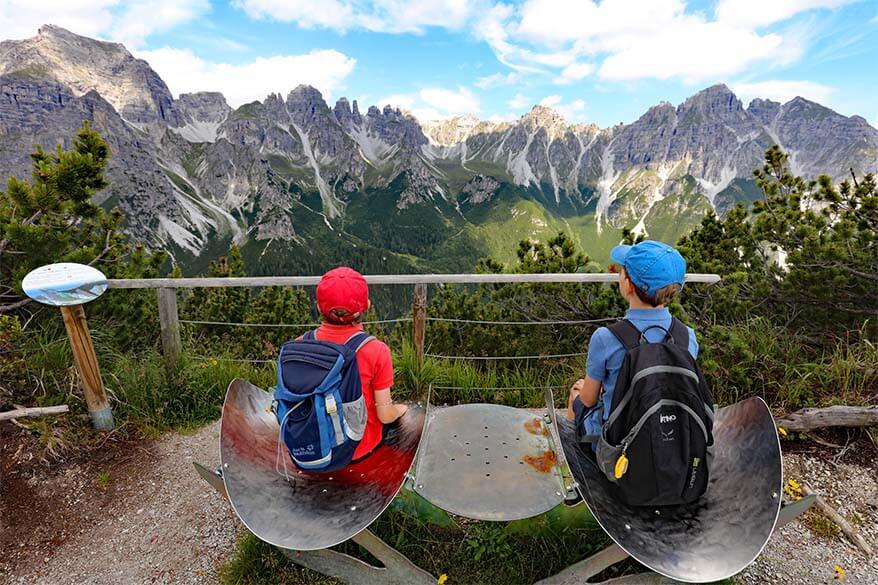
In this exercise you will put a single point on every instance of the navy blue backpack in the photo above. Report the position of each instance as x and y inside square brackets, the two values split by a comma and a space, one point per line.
[319, 401]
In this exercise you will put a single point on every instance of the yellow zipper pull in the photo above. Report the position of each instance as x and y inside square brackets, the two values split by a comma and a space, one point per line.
[621, 466]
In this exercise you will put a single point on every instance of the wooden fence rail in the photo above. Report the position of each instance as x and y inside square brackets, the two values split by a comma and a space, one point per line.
[255, 281]
[166, 289]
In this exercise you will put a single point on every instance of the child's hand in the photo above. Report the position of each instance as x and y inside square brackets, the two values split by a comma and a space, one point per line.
[401, 409]
[578, 385]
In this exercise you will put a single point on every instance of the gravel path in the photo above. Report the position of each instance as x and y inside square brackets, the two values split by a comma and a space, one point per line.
[162, 525]
[157, 522]
[798, 554]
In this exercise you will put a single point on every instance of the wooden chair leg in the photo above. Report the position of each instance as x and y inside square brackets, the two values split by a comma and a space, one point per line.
[397, 570]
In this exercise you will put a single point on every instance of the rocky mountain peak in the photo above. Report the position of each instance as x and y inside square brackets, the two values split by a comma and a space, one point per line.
[346, 115]
[84, 64]
[715, 99]
[306, 107]
[307, 94]
[543, 116]
[203, 106]
[450, 131]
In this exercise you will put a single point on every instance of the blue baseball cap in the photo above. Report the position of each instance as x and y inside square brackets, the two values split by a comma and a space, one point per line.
[651, 265]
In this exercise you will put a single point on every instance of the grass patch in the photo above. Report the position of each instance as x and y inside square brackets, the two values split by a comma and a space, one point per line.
[821, 525]
[103, 480]
[756, 358]
[477, 553]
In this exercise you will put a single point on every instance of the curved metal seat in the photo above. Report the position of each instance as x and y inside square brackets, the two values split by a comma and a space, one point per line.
[305, 511]
[725, 530]
[488, 462]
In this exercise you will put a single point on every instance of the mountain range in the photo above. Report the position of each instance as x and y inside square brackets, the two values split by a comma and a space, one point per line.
[300, 184]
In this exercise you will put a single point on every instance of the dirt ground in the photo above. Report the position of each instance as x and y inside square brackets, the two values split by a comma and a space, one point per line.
[137, 512]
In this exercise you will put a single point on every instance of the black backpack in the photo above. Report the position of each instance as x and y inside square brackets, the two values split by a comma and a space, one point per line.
[656, 443]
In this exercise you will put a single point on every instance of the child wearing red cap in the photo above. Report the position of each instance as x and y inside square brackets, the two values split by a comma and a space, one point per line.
[343, 299]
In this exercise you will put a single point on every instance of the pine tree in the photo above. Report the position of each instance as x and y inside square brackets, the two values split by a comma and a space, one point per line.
[52, 218]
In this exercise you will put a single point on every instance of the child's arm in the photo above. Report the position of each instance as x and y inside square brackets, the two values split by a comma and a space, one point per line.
[587, 390]
[387, 410]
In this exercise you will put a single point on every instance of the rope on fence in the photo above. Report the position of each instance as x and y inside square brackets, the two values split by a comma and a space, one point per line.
[277, 325]
[406, 320]
[202, 358]
[504, 357]
[501, 387]
[479, 322]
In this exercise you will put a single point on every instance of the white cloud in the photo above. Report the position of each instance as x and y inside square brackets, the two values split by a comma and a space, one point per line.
[435, 103]
[519, 101]
[398, 100]
[783, 90]
[574, 72]
[127, 22]
[761, 13]
[184, 71]
[20, 19]
[498, 80]
[693, 51]
[572, 111]
[498, 118]
[462, 101]
[637, 39]
[141, 18]
[395, 16]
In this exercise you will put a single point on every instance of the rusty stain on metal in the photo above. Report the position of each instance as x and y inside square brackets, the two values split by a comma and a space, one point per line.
[535, 427]
[544, 462]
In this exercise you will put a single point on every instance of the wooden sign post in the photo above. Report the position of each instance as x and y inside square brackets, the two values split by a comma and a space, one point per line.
[87, 366]
[419, 321]
[68, 286]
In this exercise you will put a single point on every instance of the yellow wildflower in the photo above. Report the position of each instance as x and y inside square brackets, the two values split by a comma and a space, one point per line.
[442, 579]
[839, 573]
[793, 490]
[782, 432]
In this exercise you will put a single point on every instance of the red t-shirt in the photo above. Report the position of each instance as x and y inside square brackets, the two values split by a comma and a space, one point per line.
[376, 373]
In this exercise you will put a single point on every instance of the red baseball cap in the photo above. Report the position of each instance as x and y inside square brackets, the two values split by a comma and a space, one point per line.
[343, 288]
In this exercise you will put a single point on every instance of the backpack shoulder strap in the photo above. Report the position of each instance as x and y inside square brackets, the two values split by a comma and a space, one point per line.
[310, 336]
[679, 333]
[627, 334]
[356, 341]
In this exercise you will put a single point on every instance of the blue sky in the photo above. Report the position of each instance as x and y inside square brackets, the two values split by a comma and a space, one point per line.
[604, 62]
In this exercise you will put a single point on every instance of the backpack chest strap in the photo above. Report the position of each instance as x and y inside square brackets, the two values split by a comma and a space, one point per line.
[630, 336]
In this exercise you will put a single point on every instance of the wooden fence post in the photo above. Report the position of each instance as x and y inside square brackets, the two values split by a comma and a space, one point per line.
[419, 321]
[87, 365]
[170, 327]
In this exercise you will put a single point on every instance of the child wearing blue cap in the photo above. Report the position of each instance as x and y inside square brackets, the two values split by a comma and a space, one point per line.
[651, 274]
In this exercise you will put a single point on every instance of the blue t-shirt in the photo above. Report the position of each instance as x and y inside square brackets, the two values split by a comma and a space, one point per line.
[605, 355]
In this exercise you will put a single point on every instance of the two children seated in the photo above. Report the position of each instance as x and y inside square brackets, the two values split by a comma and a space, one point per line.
[643, 405]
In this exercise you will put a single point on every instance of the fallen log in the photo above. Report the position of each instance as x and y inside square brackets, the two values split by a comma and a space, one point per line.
[809, 419]
[37, 411]
[839, 520]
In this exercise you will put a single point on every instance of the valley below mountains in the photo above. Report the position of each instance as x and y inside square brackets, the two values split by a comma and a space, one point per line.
[301, 184]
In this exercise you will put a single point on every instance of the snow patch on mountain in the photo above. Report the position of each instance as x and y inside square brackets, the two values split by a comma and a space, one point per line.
[199, 131]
